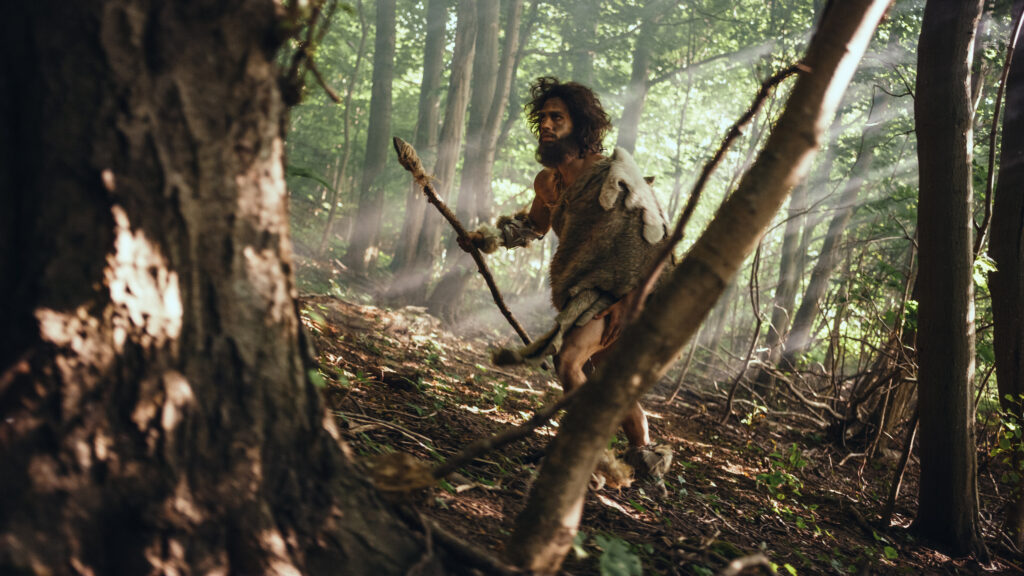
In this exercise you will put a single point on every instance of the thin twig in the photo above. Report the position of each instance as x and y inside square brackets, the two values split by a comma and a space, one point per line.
[691, 203]
[981, 232]
[755, 303]
[320, 79]
[901, 468]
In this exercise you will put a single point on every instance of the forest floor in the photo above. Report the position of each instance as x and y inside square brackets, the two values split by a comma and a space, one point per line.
[763, 487]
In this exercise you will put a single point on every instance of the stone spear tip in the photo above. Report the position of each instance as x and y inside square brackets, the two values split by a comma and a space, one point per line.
[408, 158]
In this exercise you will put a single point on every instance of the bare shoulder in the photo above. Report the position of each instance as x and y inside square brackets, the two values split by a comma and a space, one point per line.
[544, 185]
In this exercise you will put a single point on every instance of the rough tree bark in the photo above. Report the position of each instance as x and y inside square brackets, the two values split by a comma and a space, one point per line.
[155, 410]
[544, 531]
[948, 493]
[427, 129]
[1007, 249]
[363, 246]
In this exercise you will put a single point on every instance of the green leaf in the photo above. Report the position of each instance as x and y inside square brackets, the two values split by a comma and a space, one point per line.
[303, 172]
[617, 559]
[890, 553]
[789, 568]
[316, 378]
[577, 545]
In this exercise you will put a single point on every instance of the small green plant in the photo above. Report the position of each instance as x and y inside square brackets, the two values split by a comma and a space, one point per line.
[617, 558]
[751, 417]
[499, 392]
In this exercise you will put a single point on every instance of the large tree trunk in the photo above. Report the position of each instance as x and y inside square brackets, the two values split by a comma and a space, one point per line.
[948, 494]
[425, 141]
[155, 410]
[545, 530]
[362, 249]
[428, 248]
[1007, 249]
[800, 337]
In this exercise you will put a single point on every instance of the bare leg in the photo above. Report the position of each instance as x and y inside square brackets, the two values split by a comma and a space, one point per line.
[581, 344]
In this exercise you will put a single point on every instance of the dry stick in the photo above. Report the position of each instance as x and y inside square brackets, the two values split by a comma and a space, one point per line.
[691, 203]
[755, 302]
[686, 366]
[485, 445]
[897, 480]
[466, 552]
[409, 160]
[981, 232]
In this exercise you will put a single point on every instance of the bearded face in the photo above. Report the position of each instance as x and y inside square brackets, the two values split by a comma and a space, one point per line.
[552, 152]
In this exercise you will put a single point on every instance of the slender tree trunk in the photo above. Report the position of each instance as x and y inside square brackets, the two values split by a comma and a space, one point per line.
[636, 92]
[156, 414]
[428, 247]
[545, 529]
[490, 93]
[948, 494]
[584, 16]
[514, 105]
[794, 247]
[1007, 249]
[427, 129]
[362, 249]
[799, 339]
[346, 141]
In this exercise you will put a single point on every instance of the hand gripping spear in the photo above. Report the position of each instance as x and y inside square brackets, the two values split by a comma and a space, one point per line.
[408, 158]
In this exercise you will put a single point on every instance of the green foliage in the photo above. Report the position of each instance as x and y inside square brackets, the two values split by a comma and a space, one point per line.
[617, 559]
[1009, 445]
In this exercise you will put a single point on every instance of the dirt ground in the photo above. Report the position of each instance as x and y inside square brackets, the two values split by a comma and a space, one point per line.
[763, 488]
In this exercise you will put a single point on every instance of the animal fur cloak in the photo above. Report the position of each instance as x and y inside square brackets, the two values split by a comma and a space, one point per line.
[610, 228]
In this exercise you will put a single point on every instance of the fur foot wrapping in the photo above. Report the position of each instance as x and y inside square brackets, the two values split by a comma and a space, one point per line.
[651, 463]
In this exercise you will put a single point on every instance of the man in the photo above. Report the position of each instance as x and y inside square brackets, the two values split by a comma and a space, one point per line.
[610, 228]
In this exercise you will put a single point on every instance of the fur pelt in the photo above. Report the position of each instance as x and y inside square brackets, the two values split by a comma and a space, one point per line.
[610, 228]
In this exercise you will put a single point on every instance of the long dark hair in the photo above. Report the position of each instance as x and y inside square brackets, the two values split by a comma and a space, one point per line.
[590, 122]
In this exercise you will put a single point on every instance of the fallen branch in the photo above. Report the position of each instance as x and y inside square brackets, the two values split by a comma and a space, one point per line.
[485, 445]
[409, 160]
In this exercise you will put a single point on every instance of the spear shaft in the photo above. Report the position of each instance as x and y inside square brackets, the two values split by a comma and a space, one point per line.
[409, 160]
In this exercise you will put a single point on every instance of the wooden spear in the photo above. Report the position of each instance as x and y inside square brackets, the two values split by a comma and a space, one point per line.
[408, 158]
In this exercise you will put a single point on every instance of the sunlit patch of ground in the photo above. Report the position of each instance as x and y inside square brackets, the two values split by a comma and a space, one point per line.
[398, 382]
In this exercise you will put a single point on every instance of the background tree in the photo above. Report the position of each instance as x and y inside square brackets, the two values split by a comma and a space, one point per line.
[948, 496]
[1007, 281]
[363, 246]
[427, 128]
[428, 247]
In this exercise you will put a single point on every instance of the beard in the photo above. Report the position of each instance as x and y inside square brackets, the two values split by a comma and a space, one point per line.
[551, 154]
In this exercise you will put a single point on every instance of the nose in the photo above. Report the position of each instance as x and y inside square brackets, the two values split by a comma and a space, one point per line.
[547, 124]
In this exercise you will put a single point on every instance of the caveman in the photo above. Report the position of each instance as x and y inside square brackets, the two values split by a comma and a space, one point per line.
[609, 226]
